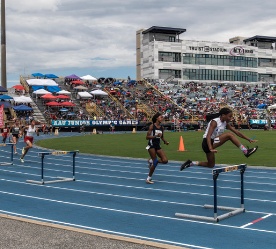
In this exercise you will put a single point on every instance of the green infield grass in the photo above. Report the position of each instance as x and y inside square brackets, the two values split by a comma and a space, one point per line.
[134, 145]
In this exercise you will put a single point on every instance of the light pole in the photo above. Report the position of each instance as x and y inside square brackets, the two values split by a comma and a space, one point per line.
[3, 46]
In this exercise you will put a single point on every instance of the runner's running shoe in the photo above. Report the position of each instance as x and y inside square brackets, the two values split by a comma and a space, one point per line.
[186, 165]
[22, 160]
[251, 151]
[149, 181]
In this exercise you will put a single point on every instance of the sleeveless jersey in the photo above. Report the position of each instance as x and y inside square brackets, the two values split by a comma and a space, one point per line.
[155, 131]
[15, 130]
[221, 126]
[30, 131]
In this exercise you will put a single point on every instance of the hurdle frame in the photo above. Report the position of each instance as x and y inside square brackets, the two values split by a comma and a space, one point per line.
[11, 162]
[56, 153]
[232, 211]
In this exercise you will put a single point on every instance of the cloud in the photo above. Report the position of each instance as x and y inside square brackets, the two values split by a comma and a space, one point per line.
[32, 6]
[68, 36]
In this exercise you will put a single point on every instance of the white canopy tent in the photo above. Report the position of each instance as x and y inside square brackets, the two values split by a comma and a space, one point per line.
[84, 95]
[99, 92]
[88, 77]
[64, 92]
[41, 92]
[41, 82]
[81, 88]
[22, 99]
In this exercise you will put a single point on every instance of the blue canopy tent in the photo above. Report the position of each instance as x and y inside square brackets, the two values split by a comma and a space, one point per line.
[39, 75]
[51, 76]
[5, 104]
[2, 89]
[4, 97]
[53, 89]
[22, 108]
[37, 87]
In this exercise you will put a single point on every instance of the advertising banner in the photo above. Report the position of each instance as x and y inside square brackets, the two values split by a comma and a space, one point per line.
[75, 123]
[2, 116]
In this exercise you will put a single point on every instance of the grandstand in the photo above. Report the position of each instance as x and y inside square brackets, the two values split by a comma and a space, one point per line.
[184, 105]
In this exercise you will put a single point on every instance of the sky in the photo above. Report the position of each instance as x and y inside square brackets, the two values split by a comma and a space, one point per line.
[98, 38]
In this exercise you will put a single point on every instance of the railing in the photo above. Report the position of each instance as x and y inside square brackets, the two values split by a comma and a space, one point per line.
[121, 106]
[92, 108]
[145, 109]
[24, 83]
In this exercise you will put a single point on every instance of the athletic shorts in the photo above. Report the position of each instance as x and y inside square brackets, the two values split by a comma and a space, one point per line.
[205, 145]
[15, 135]
[26, 138]
[4, 134]
[156, 147]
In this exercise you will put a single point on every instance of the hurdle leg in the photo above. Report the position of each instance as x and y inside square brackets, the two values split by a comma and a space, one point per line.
[242, 188]
[42, 173]
[215, 177]
[42, 169]
[74, 165]
[12, 154]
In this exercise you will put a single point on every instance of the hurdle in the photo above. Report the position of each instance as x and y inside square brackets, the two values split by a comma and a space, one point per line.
[233, 211]
[11, 162]
[60, 179]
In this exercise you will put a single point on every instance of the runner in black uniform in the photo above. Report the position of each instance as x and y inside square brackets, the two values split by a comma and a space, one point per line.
[154, 135]
[15, 131]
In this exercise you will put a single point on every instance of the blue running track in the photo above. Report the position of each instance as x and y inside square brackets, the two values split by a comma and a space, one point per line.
[110, 195]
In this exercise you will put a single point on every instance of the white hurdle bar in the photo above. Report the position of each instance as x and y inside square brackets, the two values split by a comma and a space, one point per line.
[233, 211]
[11, 162]
[60, 179]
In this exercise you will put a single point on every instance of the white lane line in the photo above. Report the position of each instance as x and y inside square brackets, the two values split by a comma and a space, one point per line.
[131, 212]
[126, 211]
[156, 189]
[256, 221]
[121, 196]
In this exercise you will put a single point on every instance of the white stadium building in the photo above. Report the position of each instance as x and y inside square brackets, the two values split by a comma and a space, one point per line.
[161, 54]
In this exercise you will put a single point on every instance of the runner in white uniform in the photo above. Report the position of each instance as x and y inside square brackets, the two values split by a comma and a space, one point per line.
[29, 138]
[215, 136]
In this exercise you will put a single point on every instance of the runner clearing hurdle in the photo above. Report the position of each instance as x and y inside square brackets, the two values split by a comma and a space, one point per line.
[214, 137]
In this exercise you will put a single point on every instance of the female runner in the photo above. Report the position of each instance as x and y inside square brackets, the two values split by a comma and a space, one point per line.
[15, 131]
[215, 136]
[29, 138]
[154, 135]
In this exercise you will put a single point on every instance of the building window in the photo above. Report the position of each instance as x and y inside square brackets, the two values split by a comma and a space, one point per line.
[219, 60]
[221, 75]
[172, 38]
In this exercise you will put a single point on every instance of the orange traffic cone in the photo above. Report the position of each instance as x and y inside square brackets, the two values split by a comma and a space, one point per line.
[181, 146]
